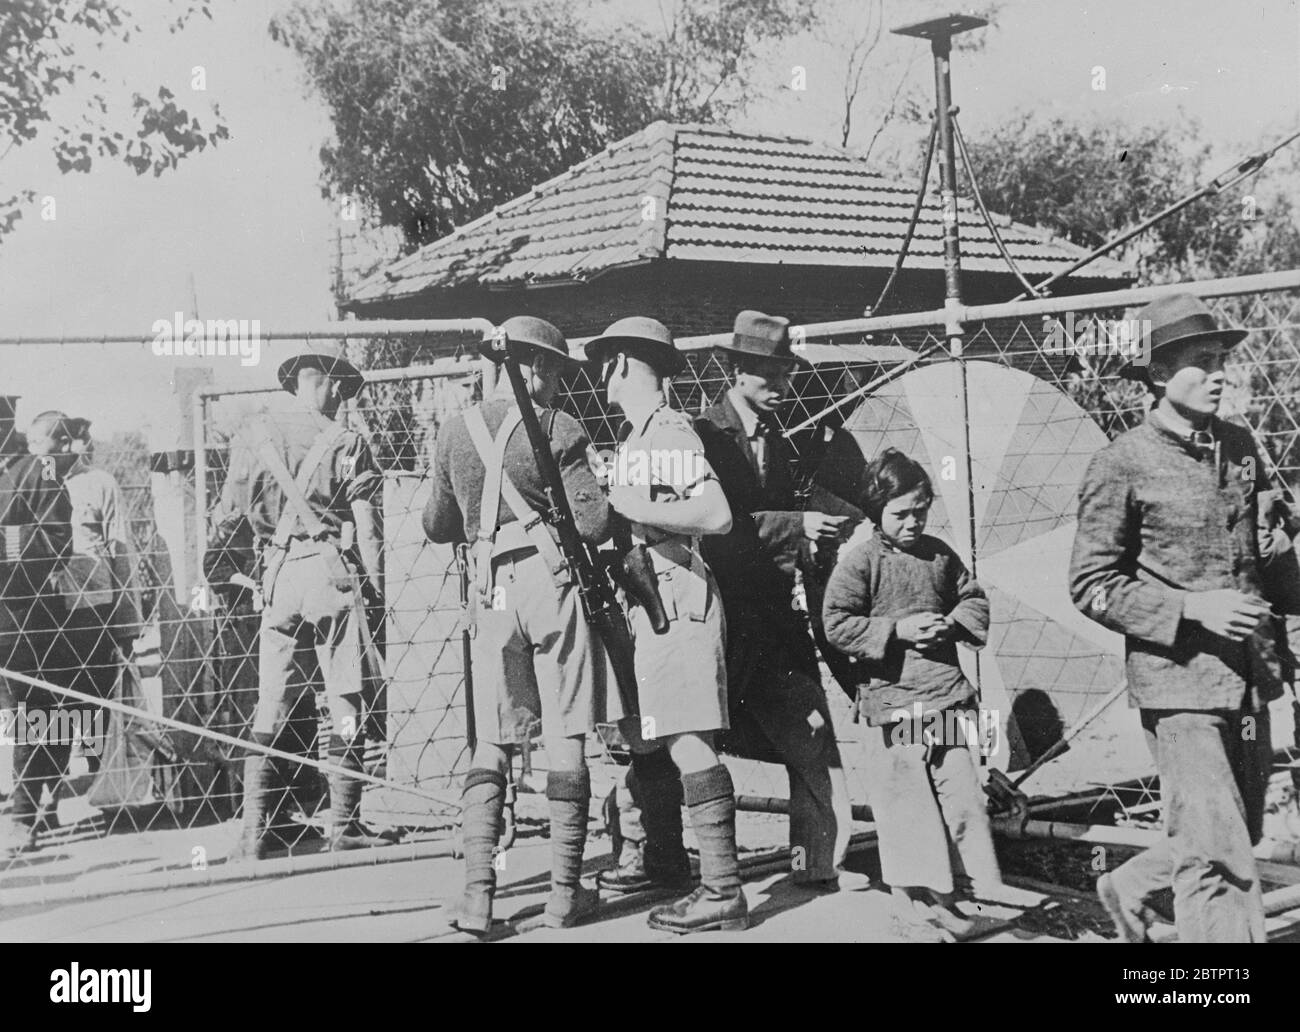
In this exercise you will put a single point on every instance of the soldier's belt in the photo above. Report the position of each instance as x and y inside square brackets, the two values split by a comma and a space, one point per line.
[303, 547]
[679, 564]
[674, 551]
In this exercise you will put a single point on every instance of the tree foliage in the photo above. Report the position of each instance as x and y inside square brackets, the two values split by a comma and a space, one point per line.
[706, 58]
[1070, 179]
[45, 44]
[1089, 183]
[441, 111]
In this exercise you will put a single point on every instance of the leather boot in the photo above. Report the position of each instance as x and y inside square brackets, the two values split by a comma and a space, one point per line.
[346, 829]
[569, 796]
[482, 802]
[258, 788]
[719, 903]
[652, 854]
[283, 831]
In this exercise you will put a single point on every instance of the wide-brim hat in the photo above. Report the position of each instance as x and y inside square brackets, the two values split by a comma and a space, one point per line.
[330, 357]
[762, 336]
[1177, 319]
[526, 334]
[78, 427]
[651, 339]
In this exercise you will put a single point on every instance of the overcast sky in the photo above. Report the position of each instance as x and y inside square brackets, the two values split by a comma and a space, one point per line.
[242, 229]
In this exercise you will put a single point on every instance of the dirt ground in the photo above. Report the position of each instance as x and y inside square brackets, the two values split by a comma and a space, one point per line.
[411, 900]
[85, 885]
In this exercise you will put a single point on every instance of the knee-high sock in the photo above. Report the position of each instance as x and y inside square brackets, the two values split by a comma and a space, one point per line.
[711, 797]
[259, 787]
[569, 794]
[655, 785]
[482, 801]
[345, 792]
[29, 776]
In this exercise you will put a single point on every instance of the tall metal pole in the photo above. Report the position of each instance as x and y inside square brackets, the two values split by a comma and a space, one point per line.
[939, 32]
[941, 47]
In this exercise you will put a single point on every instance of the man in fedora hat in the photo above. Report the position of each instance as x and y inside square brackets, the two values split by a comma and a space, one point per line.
[310, 488]
[778, 706]
[661, 483]
[537, 664]
[1166, 553]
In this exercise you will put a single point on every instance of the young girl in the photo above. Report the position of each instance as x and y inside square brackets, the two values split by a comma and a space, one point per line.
[900, 602]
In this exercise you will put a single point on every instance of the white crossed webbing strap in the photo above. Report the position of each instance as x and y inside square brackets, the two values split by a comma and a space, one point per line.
[297, 510]
[294, 489]
[497, 485]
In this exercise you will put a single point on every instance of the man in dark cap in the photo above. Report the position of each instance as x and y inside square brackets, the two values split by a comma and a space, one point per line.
[311, 487]
[537, 664]
[1166, 553]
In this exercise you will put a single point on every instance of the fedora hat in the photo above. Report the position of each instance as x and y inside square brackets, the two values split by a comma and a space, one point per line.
[1178, 319]
[763, 336]
[652, 339]
[528, 333]
[330, 358]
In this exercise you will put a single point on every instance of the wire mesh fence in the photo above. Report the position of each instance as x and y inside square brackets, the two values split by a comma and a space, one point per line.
[1025, 411]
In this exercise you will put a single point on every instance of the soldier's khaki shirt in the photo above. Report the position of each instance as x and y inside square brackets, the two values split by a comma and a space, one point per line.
[348, 472]
[663, 459]
[681, 674]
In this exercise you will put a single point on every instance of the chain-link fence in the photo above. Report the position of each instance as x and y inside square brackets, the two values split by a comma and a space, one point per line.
[1017, 419]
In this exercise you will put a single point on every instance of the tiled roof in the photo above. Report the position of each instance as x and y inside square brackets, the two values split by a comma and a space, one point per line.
[702, 193]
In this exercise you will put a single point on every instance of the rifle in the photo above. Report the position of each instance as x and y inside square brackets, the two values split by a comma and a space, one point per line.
[599, 603]
[466, 650]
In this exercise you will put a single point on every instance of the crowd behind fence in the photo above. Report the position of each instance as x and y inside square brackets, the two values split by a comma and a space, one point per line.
[197, 660]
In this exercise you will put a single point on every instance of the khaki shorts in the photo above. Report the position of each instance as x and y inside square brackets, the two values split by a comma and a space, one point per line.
[537, 665]
[681, 674]
[308, 608]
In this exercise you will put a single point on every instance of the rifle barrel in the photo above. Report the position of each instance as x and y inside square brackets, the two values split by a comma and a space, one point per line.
[599, 603]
